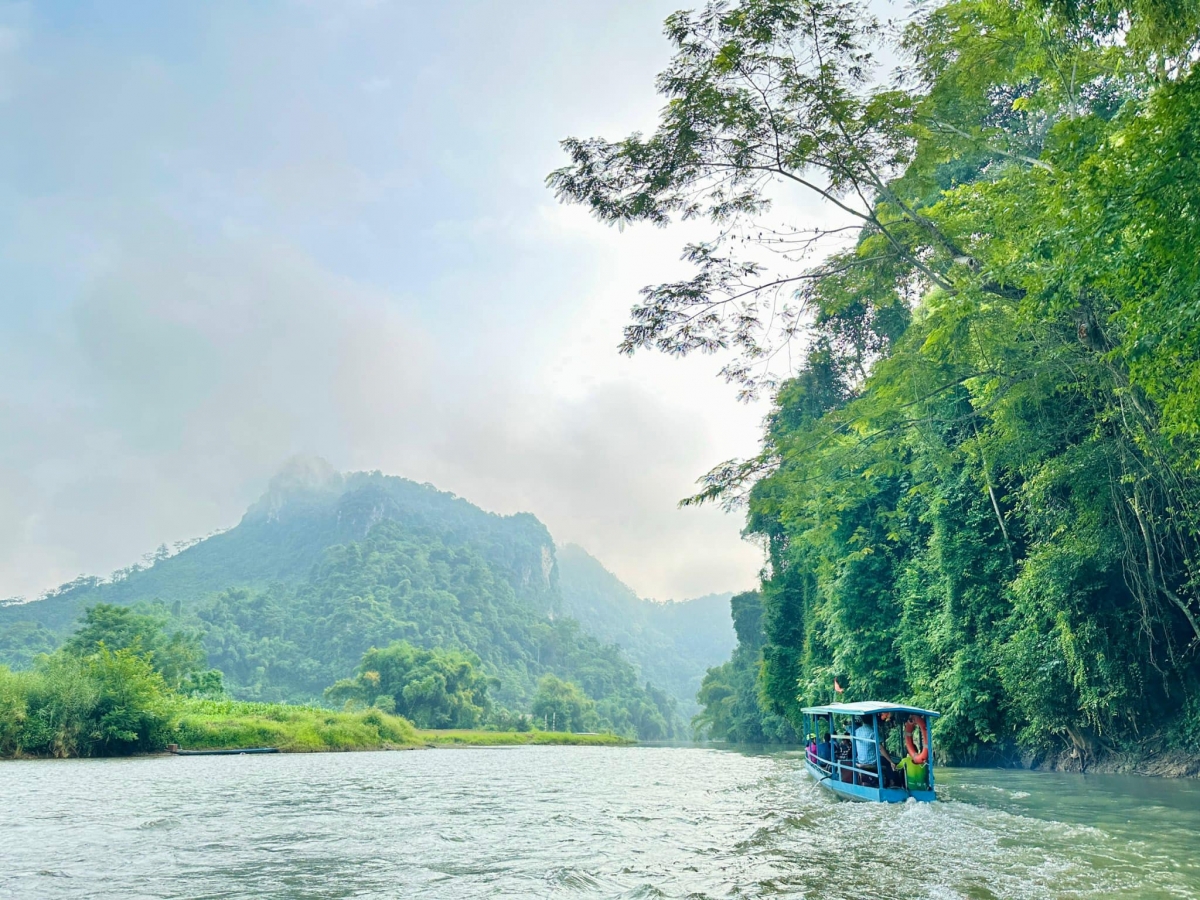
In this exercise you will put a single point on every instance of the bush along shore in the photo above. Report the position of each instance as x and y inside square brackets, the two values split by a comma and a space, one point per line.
[233, 724]
[123, 685]
[115, 704]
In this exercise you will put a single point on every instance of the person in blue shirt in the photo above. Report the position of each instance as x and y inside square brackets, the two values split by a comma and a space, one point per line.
[864, 743]
[866, 753]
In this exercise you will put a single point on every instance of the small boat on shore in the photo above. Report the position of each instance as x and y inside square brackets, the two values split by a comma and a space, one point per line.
[230, 752]
[847, 751]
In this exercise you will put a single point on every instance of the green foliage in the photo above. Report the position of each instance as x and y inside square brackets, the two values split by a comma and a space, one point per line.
[23, 642]
[289, 643]
[980, 491]
[431, 688]
[325, 567]
[561, 706]
[176, 655]
[208, 685]
[733, 708]
[520, 738]
[671, 643]
[110, 703]
[225, 724]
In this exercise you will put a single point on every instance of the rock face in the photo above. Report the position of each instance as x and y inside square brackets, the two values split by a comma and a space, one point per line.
[1147, 761]
[301, 480]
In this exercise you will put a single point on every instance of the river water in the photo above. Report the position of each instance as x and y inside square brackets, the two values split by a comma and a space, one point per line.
[576, 822]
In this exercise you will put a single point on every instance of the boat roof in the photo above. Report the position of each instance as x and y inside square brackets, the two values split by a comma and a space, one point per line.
[868, 708]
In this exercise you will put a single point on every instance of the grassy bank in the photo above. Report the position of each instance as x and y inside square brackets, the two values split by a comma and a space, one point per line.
[225, 724]
[465, 738]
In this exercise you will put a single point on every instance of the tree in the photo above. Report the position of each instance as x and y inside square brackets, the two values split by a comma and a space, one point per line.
[108, 703]
[731, 695]
[175, 655]
[561, 706]
[432, 688]
[763, 97]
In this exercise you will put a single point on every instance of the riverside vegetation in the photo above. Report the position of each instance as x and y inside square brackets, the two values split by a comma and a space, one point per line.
[88, 700]
[406, 609]
[980, 486]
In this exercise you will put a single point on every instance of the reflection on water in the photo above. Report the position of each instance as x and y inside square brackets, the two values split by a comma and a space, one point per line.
[576, 822]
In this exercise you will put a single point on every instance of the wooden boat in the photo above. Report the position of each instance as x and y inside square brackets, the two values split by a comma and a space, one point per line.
[834, 761]
[232, 752]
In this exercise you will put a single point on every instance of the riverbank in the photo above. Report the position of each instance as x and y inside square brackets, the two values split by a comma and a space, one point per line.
[235, 724]
[464, 738]
[1157, 764]
[228, 724]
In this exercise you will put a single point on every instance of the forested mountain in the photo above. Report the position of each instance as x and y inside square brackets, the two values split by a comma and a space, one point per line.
[673, 643]
[326, 566]
[308, 507]
[980, 484]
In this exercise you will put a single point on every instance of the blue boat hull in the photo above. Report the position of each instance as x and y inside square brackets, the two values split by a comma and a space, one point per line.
[862, 792]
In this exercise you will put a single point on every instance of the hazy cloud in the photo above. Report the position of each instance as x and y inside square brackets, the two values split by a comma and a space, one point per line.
[233, 234]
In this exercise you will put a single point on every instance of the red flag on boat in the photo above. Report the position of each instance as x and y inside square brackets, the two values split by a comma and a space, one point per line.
[837, 687]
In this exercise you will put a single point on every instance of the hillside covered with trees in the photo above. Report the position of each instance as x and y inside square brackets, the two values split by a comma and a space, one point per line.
[673, 643]
[980, 482]
[327, 570]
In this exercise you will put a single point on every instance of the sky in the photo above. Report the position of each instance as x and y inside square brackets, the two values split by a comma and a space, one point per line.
[232, 232]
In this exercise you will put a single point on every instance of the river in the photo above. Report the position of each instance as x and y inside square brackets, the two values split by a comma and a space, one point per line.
[576, 822]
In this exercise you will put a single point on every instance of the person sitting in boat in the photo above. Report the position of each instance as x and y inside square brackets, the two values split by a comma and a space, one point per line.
[914, 776]
[843, 754]
[868, 756]
[824, 749]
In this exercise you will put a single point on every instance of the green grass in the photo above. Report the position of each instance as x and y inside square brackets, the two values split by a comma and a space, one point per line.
[227, 724]
[465, 738]
[230, 724]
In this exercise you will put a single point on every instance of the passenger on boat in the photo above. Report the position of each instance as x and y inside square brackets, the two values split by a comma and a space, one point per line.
[914, 775]
[867, 753]
[864, 742]
[824, 752]
[842, 753]
[864, 751]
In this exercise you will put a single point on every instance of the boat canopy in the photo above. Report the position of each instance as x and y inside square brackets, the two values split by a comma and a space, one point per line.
[867, 708]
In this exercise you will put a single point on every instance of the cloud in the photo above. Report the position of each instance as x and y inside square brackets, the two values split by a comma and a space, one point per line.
[205, 363]
[234, 234]
[193, 367]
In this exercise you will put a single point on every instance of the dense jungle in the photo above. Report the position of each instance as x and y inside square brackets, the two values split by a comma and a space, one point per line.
[978, 487]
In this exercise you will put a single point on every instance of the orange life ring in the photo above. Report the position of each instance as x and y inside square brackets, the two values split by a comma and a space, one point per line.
[909, 727]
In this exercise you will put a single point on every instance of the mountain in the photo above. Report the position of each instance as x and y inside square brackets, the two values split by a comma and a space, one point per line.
[673, 643]
[326, 565]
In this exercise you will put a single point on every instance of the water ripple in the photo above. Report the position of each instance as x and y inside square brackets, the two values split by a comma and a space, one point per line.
[630, 823]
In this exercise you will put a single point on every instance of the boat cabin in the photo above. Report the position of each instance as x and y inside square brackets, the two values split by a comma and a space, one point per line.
[870, 750]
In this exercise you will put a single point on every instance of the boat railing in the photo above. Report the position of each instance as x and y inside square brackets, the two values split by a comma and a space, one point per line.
[841, 766]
